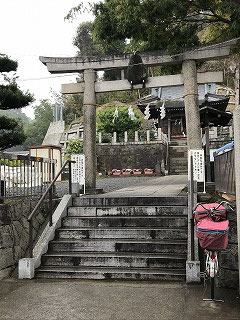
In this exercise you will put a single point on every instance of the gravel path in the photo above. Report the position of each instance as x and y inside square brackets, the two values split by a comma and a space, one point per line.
[109, 183]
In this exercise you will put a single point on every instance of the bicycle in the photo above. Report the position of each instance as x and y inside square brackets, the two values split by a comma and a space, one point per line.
[212, 231]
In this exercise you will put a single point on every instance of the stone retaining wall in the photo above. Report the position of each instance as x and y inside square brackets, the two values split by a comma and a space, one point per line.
[127, 155]
[14, 231]
[228, 259]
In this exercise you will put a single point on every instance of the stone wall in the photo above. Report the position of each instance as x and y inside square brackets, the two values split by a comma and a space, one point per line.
[14, 231]
[228, 259]
[130, 155]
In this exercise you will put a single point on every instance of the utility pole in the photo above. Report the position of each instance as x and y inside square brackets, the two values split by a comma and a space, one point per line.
[236, 122]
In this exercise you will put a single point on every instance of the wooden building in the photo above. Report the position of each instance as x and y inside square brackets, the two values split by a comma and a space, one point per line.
[166, 106]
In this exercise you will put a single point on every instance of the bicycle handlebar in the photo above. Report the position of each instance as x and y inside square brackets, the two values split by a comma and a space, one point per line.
[227, 203]
[200, 204]
[221, 203]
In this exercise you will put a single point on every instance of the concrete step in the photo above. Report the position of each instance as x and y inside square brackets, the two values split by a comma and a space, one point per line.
[178, 160]
[178, 171]
[127, 211]
[101, 201]
[178, 147]
[137, 238]
[119, 245]
[178, 154]
[178, 143]
[122, 233]
[113, 221]
[176, 166]
[114, 259]
[107, 273]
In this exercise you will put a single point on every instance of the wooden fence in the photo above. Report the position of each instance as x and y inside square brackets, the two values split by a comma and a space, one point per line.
[224, 172]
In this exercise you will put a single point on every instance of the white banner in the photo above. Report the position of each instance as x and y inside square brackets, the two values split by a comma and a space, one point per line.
[198, 165]
[78, 169]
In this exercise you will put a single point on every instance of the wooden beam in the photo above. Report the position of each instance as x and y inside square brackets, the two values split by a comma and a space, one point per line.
[79, 64]
[153, 82]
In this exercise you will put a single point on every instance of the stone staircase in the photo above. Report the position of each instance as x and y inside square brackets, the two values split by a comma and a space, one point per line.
[120, 238]
[178, 157]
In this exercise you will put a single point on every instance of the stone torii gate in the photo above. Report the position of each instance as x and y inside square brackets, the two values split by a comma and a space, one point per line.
[189, 78]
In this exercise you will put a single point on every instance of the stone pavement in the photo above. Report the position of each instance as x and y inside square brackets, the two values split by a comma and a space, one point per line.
[110, 184]
[158, 187]
[98, 300]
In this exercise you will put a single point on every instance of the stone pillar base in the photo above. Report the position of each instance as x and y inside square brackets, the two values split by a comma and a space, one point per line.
[76, 188]
[92, 191]
[26, 268]
[192, 271]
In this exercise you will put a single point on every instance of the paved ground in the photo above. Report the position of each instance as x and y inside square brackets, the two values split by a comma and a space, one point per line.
[136, 185]
[98, 300]
[158, 187]
[110, 183]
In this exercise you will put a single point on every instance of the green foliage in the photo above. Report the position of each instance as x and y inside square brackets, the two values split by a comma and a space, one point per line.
[130, 161]
[84, 41]
[10, 163]
[79, 9]
[74, 147]
[123, 96]
[16, 114]
[11, 97]
[7, 65]
[36, 130]
[121, 124]
[167, 24]
[88, 46]
[106, 138]
[11, 133]
[73, 107]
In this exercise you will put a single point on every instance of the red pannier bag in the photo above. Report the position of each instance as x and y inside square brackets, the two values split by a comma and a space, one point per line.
[213, 235]
[201, 212]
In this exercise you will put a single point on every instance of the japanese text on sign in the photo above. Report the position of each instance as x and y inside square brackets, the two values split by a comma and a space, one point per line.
[198, 164]
[78, 168]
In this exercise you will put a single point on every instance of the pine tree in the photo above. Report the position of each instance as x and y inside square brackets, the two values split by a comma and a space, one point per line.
[11, 97]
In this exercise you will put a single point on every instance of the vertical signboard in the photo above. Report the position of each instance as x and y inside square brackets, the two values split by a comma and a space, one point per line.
[78, 169]
[198, 165]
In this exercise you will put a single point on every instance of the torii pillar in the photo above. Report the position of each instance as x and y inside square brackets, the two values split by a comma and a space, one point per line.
[89, 123]
[189, 71]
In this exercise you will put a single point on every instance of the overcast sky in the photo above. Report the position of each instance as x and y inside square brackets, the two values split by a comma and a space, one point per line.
[33, 28]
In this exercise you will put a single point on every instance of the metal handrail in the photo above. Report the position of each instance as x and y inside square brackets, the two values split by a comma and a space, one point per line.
[50, 191]
[24, 176]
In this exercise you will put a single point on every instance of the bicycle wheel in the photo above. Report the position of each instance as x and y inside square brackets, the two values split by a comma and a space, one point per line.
[212, 282]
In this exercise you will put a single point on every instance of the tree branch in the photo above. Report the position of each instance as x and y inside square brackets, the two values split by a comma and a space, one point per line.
[222, 19]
